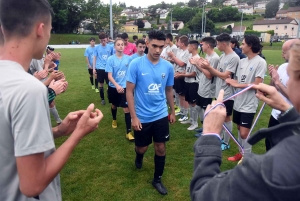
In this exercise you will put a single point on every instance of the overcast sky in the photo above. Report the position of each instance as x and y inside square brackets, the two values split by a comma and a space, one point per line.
[143, 3]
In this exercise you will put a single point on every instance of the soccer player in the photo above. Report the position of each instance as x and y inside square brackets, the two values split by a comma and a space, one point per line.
[116, 68]
[89, 57]
[228, 64]
[180, 60]
[135, 39]
[101, 54]
[150, 79]
[145, 38]
[207, 83]
[171, 47]
[251, 70]
[191, 85]
[141, 46]
[130, 48]
[30, 163]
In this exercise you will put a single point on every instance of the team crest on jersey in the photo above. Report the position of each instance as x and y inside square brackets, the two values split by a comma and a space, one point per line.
[251, 68]
[163, 75]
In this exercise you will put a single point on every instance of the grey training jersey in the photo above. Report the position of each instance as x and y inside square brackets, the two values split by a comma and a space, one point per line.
[25, 129]
[182, 55]
[227, 63]
[190, 68]
[207, 87]
[247, 71]
[168, 49]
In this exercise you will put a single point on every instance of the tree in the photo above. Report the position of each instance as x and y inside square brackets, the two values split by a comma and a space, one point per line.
[140, 23]
[271, 8]
[217, 3]
[192, 3]
[184, 14]
[163, 5]
[179, 4]
[162, 28]
[122, 4]
[157, 19]
[184, 31]
[196, 23]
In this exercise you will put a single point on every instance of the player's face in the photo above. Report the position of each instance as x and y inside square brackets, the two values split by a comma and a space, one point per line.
[168, 41]
[126, 41]
[119, 46]
[155, 48]
[177, 43]
[245, 48]
[141, 48]
[221, 46]
[205, 47]
[190, 48]
[103, 41]
[92, 43]
[294, 81]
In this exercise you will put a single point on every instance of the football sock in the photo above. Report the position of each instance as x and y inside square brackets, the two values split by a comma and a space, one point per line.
[159, 162]
[226, 135]
[55, 114]
[114, 113]
[101, 93]
[128, 122]
[96, 83]
[92, 80]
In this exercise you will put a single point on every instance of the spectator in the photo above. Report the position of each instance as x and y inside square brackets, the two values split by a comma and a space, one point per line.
[235, 45]
[272, 176]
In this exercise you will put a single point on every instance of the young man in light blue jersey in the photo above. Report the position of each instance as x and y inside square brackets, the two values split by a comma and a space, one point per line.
[116, 67]
[141, 46]
[89, 57]
[150, 79]
[101, 54]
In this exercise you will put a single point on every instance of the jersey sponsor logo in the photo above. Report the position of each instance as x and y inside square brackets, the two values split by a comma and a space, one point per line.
[243, 78]
[145, 74]
[104, 57]
[163, 75]
[154, 88]
[121, 73]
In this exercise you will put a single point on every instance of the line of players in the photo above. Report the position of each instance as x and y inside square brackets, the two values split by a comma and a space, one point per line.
[199, 80]
[196, 82]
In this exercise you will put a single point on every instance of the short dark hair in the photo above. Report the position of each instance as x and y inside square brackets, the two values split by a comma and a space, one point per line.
[223, 37]
[135, 37]
[140, 41]
[102, 35]
[177, 38]
[92, 38]
[235, 42]
[169, 36]
[254, 42]
[155, 34]
[184, 39]
[195, 43]
[119, 36]
[144, 36]
[210, 41]
[124, 36]
[18, 17]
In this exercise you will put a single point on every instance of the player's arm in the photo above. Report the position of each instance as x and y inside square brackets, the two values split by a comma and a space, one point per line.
[235, 83]
[130, 99]
[281, 88]
[204, 71]
[88, 62]
[178, 61]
